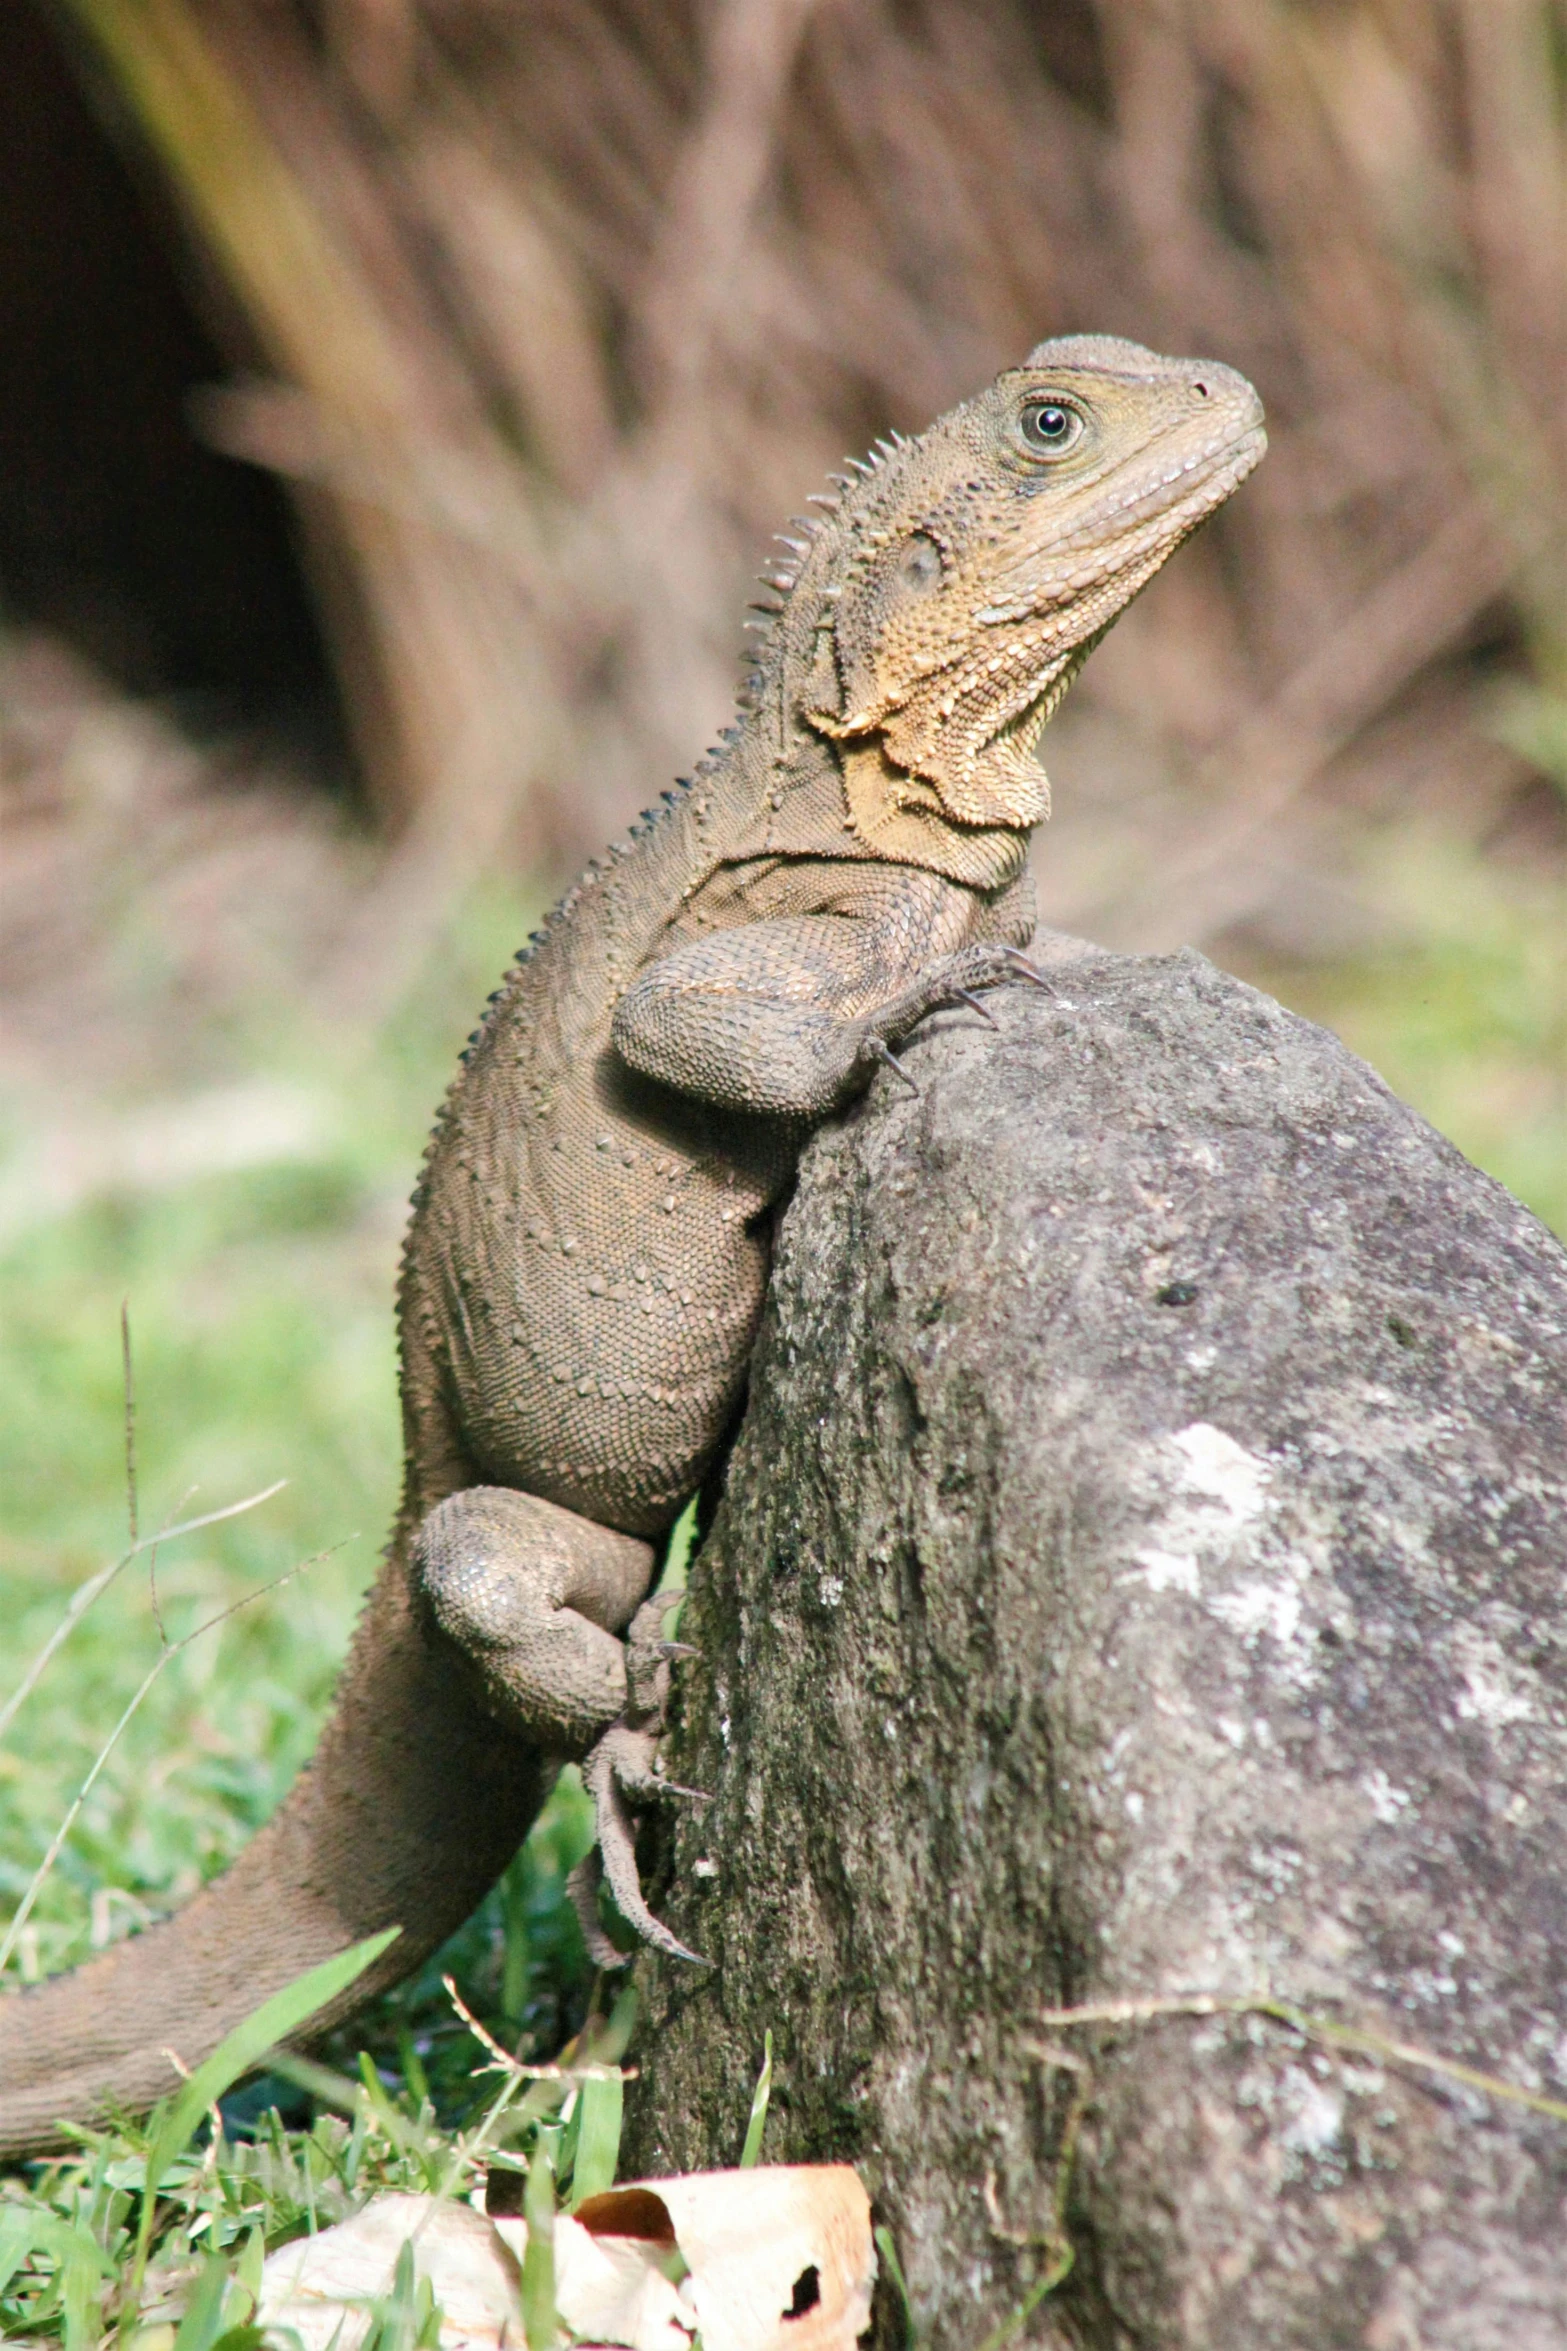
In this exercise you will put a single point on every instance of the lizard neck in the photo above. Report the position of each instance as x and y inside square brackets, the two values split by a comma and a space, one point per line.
[897, 816]
[823, 799]
[819, 798]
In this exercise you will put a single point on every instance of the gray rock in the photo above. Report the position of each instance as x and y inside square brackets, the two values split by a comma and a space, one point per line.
[1140, 1575]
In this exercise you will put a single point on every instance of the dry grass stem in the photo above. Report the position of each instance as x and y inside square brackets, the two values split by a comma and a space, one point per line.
[1316, 2028]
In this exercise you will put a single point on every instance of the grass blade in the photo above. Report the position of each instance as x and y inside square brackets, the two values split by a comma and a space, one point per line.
[243, 2048]
[540, 2323]
[83, 2266]
[85, 1594]
[894, 2268]
[751, 2152]
[598, 2137]
[203, 2319]
[166, 1656]
[16, 2243]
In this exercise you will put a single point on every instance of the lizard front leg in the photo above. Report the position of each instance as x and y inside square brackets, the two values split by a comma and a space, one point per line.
[792, 1017]
[534, 1596]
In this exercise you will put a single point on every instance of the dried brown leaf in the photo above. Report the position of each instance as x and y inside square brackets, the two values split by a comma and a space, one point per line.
[777, 2258]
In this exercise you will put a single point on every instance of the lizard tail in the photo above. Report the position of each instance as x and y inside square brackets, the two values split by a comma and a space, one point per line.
[412, 1806]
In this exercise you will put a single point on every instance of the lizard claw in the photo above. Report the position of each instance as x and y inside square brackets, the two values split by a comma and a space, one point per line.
[622, 1763]
[1028, 971]
[648, 1659]
[638, 1771]
[877, 1049]
[976, 1004]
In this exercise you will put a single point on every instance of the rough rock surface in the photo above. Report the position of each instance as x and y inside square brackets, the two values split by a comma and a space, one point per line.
[1140, 1574]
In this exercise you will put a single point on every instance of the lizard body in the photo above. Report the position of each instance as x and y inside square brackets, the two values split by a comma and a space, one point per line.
[588, 1247]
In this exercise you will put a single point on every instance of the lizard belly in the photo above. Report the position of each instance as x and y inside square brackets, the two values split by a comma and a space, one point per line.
[601, 1311]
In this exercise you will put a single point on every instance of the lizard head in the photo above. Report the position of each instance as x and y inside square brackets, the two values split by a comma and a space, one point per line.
[981, 563]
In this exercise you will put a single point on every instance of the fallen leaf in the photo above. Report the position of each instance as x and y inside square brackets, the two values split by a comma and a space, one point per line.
[776, 2258]
[780, 2256]
[612, 2289]
[319, 2283]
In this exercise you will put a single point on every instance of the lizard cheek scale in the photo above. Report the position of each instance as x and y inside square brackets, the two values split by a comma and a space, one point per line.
[587, 1253]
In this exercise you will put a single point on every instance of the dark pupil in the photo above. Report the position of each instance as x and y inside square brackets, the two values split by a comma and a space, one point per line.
[1050, 423]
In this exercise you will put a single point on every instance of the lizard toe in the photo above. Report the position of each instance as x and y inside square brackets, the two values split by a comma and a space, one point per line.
[877, 1050]
[622, 1763]
[632, 1759]
[582, 1891]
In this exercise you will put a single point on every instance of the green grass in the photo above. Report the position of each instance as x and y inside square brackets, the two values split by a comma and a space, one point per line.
[260, 1311]
[1464, 1011]
[259, 1305]
[208, 2206]
[260, 1314]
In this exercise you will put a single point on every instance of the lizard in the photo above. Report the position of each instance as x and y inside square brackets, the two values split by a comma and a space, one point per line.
[587, 1250]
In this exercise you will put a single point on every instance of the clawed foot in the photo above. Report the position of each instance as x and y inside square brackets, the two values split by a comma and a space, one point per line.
[624, 1769]
[623, 1764]
[878, 1049]
[951, 982]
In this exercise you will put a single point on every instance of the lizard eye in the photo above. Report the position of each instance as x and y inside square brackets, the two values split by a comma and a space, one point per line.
[1049, 428]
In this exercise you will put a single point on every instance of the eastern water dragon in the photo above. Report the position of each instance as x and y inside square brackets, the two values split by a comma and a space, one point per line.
[588, 1248]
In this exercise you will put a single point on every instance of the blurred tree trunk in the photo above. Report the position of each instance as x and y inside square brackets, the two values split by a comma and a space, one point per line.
[423, 547]
[1137, 1589]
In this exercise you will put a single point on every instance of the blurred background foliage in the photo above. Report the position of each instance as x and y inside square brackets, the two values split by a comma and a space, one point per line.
[396, 398]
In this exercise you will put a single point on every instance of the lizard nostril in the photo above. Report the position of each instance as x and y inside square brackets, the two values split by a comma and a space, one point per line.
[1201, 390]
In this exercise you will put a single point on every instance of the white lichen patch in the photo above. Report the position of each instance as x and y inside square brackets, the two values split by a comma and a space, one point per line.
[1242, 1536]
[1256, 1607]
[1224, 1473]
[1386, 1801]
[1212, 1492]
[1165, 1571]
[1314, 2116]
[1492, 1691]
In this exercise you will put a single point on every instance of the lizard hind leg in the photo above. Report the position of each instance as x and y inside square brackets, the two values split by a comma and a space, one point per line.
[533, 1595]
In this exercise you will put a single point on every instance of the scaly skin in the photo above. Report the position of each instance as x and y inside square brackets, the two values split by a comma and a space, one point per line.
[588, 1247]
